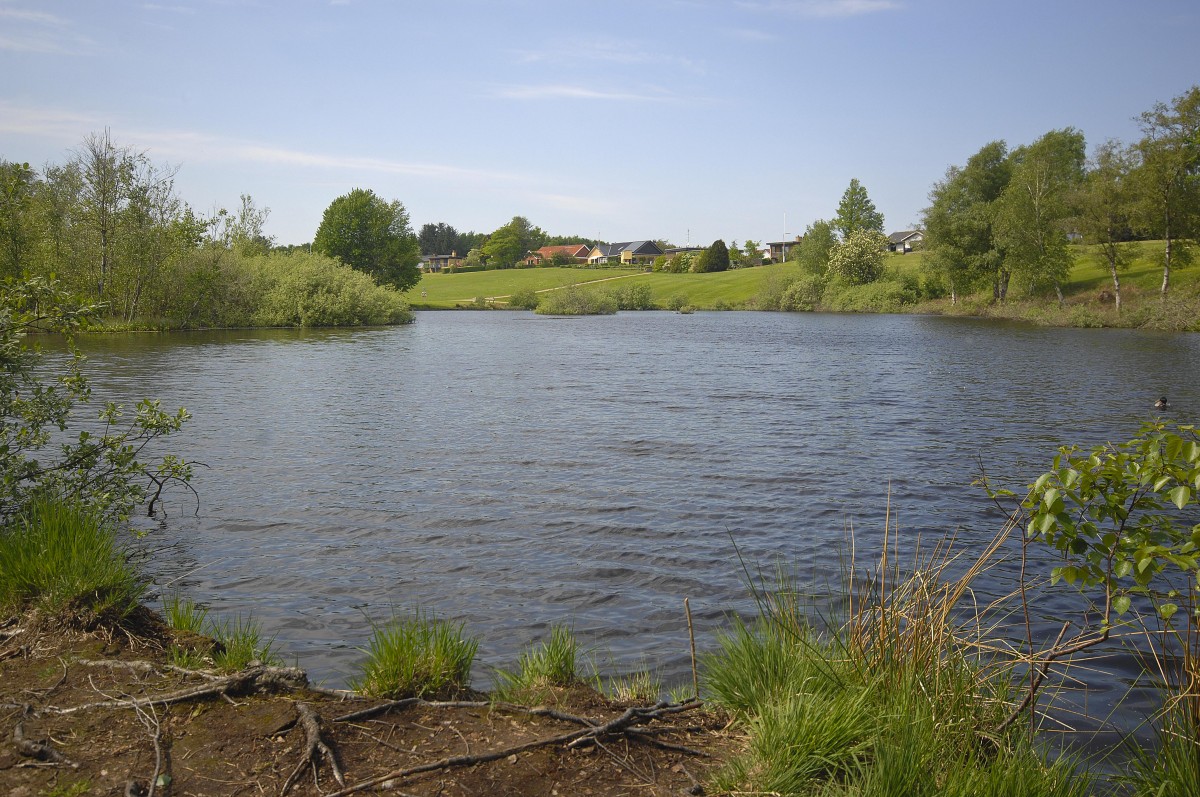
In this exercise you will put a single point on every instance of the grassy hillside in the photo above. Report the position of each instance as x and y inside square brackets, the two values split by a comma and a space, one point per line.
[752, 288]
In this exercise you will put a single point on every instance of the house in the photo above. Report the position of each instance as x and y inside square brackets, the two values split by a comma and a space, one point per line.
[440, 263]
[628, 253]
[780, 249]
[679, 250]
[905, 241]
[573, 253]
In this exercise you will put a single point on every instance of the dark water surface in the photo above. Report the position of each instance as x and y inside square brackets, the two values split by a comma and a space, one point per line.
[514, 471]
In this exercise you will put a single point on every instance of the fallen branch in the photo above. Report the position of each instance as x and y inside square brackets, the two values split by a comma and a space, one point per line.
[310, 721]
[630, 718]
[37, 750]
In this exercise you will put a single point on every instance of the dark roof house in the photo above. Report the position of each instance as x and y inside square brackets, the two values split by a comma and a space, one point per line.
[627, 252]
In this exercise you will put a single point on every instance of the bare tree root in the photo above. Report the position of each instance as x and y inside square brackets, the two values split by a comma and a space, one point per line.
[591, 733]
[253, 679]
[310, 721]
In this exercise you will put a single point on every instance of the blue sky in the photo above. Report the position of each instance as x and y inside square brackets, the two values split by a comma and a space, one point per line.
[622, 119]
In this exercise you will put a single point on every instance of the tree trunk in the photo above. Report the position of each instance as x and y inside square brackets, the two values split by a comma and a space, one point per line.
[1112, 269]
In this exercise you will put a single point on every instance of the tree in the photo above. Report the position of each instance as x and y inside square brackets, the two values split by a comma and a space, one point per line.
[748, 256]
[858, 259]
[372, 235]
[510, 243]
[1033, 209]
[812, 252]
[1104, 205]
[1170, 175]
[958, 223]
[714, 258]
[18, 184]
[438, 239]
[856, 211]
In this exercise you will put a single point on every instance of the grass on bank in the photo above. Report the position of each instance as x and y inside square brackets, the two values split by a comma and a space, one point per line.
[897, 698]
[418, 656]
[59, 558]
[446, 291]
[238, 642]
[551, 663]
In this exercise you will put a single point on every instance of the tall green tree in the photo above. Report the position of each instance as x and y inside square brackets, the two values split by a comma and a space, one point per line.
[959, 236]
[856, 211]
[372, 235]
[1169, 176]
[1033, 211]
[714, 258]
[1105, 207]
[812, 252]
[509, 244]
[18, 236]
[438, 239]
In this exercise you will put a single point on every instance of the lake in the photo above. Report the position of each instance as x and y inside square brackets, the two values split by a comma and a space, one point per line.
[514, 471]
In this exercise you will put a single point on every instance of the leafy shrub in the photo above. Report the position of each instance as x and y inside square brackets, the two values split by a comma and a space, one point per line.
[633, 296]
[416, 656]
[803, 294]
[310, 290]
[574, 300]
[884, 296]
[525, 299]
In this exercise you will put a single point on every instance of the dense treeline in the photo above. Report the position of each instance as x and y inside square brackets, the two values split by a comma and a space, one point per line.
[109, 226]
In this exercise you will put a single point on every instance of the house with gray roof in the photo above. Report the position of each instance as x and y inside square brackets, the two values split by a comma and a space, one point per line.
[629, 253]
[905, 241]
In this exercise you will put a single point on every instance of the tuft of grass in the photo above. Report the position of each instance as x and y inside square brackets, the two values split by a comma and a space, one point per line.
[184, 614]
[416, 657]
[1173, 768]
[240, 644]
[641, 686]
[895, 698]
[551, 663]
[74, 788]
[62, 558]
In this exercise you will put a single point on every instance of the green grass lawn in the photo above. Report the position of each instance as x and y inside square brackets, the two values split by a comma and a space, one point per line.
[704, 291]
[451, 290]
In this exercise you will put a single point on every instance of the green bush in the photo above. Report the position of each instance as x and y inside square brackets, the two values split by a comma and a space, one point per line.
[62, 558]
[677, 302]
[576, 300]
[884, 296]
[525, 299]
[803, 294]
[310, 290]
[415, 657]
[633, 296]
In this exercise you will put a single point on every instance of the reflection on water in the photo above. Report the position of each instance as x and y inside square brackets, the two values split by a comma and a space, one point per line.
[513, 471]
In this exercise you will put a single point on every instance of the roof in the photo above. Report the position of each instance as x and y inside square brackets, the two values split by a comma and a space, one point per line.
[570, 250]
[903, 235]
[634, 247]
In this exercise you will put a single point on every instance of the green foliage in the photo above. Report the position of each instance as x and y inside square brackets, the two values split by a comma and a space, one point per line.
[856, 212]
[63, 558]
[576, 300]
[311, 290]
[72, 788]
[98, 471]
[1112, 512]
[526, 299]
[1173, 768]
[882, 296]
[510, 243]
[859, 258]
[642, 686]
[812, 253]
[632, 295]
[416, 656]
[371, 235]
[714, 258]
[553, 662]
[676, 302]
[803, 294]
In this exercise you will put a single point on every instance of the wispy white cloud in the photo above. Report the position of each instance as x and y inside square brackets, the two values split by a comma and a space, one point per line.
[822, 8]
[69, 127]
[613, 51]
[568, 92]
[26, 31]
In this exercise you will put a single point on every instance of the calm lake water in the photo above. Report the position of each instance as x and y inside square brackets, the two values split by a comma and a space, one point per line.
[514, 471]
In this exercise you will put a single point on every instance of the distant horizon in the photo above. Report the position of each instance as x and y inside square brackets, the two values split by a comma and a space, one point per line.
[682, 120]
